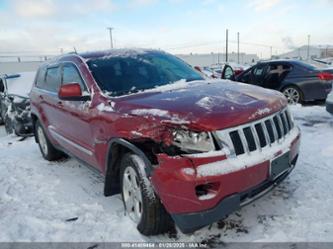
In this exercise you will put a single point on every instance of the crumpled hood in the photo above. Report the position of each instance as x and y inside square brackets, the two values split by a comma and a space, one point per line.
[204, 105]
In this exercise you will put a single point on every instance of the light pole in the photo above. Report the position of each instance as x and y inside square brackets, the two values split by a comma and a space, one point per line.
[111, 40]
[271, 48]
[238, 47]
[226, 45]
[308, 52]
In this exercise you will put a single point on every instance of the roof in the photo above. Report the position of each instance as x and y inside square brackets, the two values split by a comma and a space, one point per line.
[280, 60]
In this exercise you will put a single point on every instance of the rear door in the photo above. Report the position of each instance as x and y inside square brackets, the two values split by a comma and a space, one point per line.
[276, 73]
[254, 75]
[307, 78]
[45, 96]
[258, 74]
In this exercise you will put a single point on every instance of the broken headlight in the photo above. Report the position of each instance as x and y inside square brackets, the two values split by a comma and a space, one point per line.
[190, 141]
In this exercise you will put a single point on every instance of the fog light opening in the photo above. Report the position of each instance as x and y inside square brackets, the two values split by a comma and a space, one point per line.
[207, 191]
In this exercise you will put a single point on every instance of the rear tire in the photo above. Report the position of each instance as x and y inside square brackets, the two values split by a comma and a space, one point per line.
[293, 95]
[140, 202]
[49, 152]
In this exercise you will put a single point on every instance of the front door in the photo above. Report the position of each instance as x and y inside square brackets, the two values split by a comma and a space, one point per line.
[75, 128]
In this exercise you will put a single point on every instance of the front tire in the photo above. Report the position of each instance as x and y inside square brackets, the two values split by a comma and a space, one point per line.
[140, 202]
[48, 151]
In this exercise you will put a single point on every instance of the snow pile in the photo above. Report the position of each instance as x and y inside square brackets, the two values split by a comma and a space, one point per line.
[151, 112]
[260, 112]
[206, 103]
[103, 108]
[171, 118]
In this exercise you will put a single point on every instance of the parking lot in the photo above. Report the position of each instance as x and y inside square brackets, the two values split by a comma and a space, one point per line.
[63, 201]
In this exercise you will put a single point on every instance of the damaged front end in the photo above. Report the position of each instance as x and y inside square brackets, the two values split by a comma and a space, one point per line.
[17, 117]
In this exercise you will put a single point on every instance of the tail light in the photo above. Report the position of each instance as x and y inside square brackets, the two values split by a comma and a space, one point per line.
[325, 76]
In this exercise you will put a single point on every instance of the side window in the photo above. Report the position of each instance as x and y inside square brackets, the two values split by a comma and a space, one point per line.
[276, 73]
[71, 75]
[246, 77]
[40, 79]
[53, 79]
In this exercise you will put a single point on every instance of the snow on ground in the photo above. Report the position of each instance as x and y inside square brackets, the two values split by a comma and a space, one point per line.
[63, 201]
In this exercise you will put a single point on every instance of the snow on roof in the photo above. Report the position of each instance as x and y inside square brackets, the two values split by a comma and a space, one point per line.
[106, 54]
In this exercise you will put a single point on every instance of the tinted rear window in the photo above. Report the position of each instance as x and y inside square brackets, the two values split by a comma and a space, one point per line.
[306, 65]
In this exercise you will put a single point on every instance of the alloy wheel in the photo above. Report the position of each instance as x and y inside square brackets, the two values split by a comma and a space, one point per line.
[292, 95]
[132, 194]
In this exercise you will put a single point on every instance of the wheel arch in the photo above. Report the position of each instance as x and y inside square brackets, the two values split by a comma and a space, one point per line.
[116, 148]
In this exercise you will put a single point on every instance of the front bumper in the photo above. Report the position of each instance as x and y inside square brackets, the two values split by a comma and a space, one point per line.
[235, 182]
[193, 221]
[23, 127]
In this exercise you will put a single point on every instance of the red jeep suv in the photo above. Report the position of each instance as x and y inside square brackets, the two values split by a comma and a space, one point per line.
[180, 150]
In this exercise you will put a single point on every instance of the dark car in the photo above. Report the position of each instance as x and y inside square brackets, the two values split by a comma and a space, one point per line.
[177, 147]
[298, 81]
[15, 102]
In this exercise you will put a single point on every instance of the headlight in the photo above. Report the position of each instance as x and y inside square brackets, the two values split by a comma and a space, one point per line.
[190, 141]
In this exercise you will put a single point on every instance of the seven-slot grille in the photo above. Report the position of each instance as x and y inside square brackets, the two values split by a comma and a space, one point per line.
[259, 134]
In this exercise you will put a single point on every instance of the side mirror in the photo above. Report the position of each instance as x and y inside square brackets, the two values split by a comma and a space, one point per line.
[72, 92]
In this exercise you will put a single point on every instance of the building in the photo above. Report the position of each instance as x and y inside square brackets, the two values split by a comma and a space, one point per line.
[302, 52]
[25, 64]
[214, 58]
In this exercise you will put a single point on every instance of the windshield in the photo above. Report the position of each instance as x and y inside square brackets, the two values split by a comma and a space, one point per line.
[133, 72]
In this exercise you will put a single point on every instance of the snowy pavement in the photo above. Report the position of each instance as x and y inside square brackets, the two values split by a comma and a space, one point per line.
[63, 201]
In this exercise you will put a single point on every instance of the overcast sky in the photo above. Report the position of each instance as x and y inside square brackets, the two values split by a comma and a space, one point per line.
[178, 26]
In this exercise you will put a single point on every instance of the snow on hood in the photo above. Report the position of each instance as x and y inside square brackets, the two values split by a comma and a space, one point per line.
[208, 105]
[21, 85]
